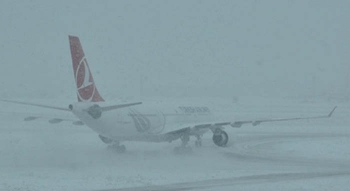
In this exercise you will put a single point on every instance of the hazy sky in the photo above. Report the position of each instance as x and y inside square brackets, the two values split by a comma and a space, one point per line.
[177, 48]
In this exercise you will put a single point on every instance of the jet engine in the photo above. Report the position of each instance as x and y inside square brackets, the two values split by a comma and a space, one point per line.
[220, 137]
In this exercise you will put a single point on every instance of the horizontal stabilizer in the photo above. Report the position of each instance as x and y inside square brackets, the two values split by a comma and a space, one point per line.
[118, 106]
[35, 104]
[78, 123]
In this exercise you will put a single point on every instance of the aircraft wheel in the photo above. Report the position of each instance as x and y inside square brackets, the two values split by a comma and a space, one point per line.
[117, 148]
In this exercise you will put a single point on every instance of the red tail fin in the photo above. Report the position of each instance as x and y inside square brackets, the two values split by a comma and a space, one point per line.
[86, 89]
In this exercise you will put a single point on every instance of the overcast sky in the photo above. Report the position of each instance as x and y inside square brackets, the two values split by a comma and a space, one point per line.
[177, 48]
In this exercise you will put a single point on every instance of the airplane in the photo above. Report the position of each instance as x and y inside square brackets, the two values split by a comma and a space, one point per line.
[138, 121]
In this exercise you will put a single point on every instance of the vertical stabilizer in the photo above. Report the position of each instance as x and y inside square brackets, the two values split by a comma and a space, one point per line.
[86, 89]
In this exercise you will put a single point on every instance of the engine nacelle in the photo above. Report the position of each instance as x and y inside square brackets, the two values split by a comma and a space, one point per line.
[105, 139]
[220, 137]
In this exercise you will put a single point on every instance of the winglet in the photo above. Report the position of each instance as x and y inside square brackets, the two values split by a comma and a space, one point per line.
[331, 113]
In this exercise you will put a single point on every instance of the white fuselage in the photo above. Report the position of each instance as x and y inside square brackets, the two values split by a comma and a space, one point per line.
[142, 122]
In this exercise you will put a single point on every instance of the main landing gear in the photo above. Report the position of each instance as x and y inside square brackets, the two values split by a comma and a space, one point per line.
[198, 142]
[184, 148]
[113, 145]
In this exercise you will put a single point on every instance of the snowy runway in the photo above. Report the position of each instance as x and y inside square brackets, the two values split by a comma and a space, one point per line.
[310, 155]
[258, 150]
[230, 183]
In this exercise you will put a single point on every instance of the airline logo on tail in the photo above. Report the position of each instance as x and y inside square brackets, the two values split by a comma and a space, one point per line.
[85, 85]
[86, 89]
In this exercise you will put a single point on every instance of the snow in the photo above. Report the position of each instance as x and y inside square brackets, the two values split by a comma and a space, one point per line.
[304, 155]
[249, 59]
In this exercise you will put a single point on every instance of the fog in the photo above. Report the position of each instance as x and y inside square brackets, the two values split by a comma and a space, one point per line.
[270, 58]
[178, 48]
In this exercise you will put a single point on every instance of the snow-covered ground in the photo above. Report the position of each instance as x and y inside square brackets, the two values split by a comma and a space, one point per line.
[303, 155]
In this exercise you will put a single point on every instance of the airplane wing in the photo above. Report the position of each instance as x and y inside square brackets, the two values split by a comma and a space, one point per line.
[37, 105]
[238, 124]
[49, 118]
[105, 108]
[54, 120]
[201, 128]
